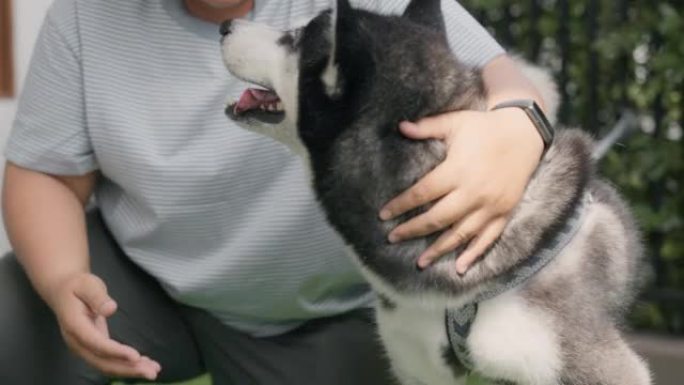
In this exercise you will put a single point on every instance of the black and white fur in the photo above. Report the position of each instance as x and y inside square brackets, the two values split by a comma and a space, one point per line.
[345, 81]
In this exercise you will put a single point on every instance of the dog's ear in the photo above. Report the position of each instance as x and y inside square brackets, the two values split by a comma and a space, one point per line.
[331, 76]
[426, 12]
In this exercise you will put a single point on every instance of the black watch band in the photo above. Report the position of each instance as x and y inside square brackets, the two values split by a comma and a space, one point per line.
[536, 115]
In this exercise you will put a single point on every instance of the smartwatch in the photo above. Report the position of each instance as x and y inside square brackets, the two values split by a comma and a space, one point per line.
[536, 115]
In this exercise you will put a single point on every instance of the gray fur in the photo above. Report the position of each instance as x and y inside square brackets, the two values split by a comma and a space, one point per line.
[391, 69]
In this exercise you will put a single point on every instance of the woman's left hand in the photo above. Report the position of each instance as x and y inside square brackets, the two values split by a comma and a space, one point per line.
[490, 159]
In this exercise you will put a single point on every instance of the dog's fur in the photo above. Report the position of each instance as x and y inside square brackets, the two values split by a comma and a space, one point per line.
[345, 81]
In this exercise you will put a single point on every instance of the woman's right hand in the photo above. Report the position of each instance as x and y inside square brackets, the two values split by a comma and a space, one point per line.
[45, 221]
[82, 307]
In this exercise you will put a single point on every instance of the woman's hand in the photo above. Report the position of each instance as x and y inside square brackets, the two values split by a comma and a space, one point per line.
[490, 159]
[82, 307]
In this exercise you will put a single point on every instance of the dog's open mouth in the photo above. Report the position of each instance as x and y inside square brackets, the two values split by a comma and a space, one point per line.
[261, 104]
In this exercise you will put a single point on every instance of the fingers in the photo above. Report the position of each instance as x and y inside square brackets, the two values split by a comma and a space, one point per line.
[82, 307]
[479, 245]
[101, 325]
[85, 320]
[439, 181]
[82, 329]
[477, 229]
[141, 368]
[89, 339]
[434, 185]
[433, 127]
[458, 235]
[93, 292]
[443, 214]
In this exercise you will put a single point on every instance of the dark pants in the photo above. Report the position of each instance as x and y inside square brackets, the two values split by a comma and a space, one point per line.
[186, 341]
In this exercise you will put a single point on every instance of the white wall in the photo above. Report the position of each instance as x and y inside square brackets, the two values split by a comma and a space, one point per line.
[28, 17]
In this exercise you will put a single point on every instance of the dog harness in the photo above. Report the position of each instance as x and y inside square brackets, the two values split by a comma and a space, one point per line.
[460, 320]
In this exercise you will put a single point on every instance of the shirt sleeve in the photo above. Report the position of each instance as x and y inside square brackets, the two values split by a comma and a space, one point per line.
[469, 40]
[49, 133]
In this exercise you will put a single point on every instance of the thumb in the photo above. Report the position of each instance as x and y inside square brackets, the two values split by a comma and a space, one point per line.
[433, 127]
[93, 292]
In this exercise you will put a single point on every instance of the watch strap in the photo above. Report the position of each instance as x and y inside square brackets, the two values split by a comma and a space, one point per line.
[536, 115]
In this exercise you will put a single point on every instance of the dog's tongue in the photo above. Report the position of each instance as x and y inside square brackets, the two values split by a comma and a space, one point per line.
[253, 98]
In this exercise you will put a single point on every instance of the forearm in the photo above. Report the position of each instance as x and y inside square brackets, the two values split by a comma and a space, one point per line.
[475, 47]
[504, 81]
[45, 222]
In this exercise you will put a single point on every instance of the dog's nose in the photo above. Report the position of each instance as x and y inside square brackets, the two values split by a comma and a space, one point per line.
[225, 27]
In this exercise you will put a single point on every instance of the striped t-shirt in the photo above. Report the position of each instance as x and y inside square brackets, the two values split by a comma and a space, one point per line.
[223, 218]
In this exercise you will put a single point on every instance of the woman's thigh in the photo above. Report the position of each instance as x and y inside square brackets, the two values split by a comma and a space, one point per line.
[342, 350]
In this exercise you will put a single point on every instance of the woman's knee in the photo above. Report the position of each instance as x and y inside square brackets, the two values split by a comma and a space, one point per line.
[18, 300]
[24, 320]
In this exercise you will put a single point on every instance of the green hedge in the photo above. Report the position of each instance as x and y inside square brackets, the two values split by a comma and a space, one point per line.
[619, 54]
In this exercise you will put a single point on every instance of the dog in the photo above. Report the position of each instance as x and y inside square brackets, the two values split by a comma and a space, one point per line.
[334, 92]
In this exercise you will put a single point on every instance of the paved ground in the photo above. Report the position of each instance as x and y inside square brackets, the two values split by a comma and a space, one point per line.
[665, 355]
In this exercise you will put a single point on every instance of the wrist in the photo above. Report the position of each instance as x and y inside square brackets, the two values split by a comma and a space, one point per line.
[536, 116]
[52, 291]
[521, 128]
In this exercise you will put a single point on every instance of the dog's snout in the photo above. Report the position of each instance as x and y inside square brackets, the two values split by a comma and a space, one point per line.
[225, 27]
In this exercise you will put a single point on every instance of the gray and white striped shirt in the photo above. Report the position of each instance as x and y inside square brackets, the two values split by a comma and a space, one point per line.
[222, 217]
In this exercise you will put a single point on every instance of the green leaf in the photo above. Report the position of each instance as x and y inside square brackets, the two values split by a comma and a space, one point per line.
[476, 379]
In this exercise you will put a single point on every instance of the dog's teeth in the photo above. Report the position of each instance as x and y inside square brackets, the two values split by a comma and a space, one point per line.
[279, 106]
[271, 107]
[263, 107]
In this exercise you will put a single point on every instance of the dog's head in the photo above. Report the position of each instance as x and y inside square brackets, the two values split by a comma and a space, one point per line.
[335, 91]
[344, 64]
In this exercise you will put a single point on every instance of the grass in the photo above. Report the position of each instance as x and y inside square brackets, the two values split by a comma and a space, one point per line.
[204, 380]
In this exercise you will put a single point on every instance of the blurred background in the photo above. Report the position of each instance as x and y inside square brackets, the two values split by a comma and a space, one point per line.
[19, 25]
[619, 65]
[620, 68]
[618, 59]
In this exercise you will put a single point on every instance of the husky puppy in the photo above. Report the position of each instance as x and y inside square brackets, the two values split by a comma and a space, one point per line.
[334, 91]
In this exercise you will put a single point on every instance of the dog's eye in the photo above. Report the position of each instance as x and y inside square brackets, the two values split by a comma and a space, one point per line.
[291, 38]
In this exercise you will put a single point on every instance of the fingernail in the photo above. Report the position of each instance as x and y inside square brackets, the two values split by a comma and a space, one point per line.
[133, 355]
[152, 362]
[385, 214]
[461, 269]
[406, 125]
[110, 303]
[423, 261]
[393, 238]
[157, 366]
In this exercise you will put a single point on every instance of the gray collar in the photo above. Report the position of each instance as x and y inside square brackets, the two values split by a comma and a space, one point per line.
[459, 321]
